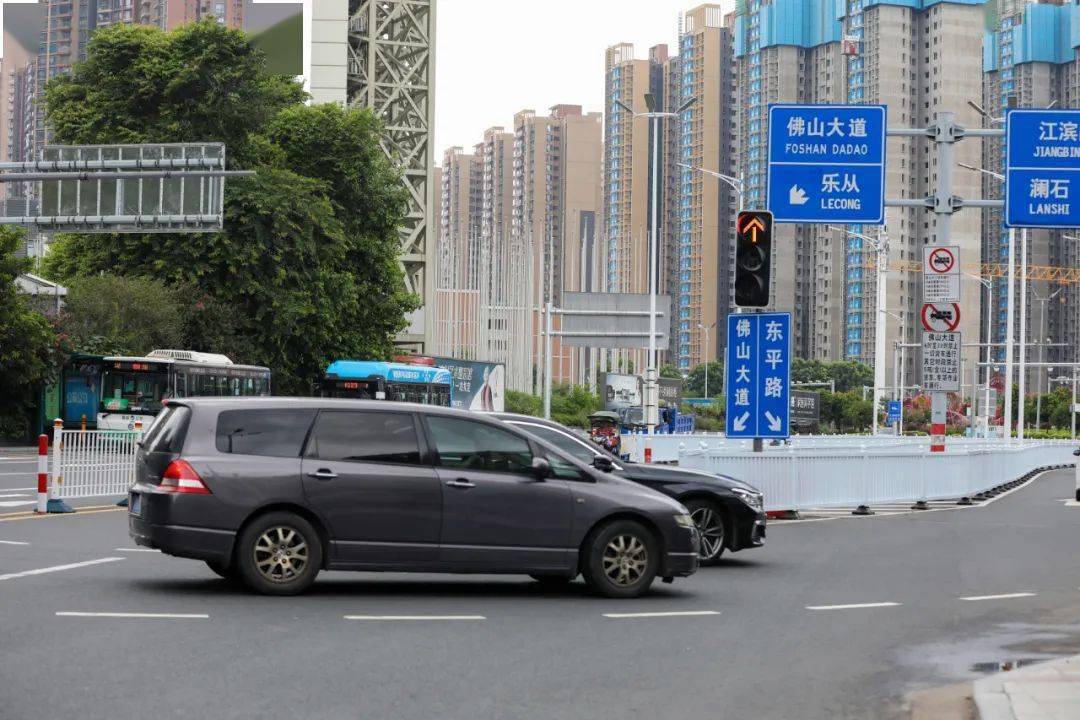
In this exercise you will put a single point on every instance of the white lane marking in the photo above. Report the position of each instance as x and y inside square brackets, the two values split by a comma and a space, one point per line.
[16, 503]
[58, 568]
[11, 495]
[1006, 596]
[13, 542]
[414, 617]
[685, 613]
[13, 474]
[170, 616]
[855, 606]
[135, 550]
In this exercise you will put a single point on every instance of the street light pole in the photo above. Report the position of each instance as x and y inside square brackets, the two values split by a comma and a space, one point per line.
[1043, 301]
[652, 410]
[706, 328]
[881, 246]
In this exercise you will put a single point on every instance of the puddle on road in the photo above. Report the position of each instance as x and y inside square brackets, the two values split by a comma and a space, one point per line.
[992, 668]
[1008, 647]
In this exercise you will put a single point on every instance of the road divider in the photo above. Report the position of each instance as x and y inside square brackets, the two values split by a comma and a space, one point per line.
[1006, 596]
[59, 568]
[681, 613]
[137, 615]
[414, 617]
[854, 606]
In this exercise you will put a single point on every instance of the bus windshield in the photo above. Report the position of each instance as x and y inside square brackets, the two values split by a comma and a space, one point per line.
[133, 391]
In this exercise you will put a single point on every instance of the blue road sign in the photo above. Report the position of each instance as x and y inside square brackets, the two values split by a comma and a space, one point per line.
[827, 164]
[759, 375]
[1042, 168]
[894, 412]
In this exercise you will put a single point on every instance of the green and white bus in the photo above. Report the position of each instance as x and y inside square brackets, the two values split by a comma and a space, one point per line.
[134, 388]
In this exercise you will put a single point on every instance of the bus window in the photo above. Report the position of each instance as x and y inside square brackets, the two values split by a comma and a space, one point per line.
[128, 391]
[440, 395]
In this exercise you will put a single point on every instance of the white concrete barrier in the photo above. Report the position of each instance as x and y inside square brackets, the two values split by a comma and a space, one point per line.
[794, 478]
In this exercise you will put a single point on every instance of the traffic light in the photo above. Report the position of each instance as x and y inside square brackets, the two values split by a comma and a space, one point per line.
[753, 258]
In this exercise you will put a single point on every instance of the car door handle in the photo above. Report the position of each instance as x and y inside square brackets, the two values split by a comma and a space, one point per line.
[461, 483]
[323, 474]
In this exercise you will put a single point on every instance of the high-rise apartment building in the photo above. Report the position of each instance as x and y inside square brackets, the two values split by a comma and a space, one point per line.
[519, 227]
[1031, 60]
[629, 167]
[705, 225]
[918, 58]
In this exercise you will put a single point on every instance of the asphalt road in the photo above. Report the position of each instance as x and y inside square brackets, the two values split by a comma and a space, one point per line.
[755, 649]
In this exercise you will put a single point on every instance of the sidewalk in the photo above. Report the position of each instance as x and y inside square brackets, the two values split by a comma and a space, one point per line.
[1047, 691]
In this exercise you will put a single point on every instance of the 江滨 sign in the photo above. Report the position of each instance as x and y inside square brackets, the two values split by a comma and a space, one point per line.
[941, 274]
[941, 361]
[940, 317]
[1042, 168]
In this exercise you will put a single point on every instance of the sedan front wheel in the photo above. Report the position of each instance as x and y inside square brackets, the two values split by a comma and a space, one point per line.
[711, 527]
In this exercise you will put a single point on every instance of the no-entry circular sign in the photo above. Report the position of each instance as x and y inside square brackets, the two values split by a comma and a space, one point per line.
[942, 260]
[943, 317]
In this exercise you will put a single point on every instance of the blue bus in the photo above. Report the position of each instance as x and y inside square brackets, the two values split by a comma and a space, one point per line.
[375, 380]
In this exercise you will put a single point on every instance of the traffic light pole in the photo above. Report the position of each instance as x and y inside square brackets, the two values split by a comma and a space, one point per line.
[944, 133]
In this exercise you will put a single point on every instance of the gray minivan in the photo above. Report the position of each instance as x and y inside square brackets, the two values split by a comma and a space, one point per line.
[272, 490]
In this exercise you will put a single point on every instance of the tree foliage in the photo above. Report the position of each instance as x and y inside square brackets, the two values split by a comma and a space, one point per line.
[570, 404]
[113, 315]
[27, 343]
[695, 382]
[306, 267]
[849, 376]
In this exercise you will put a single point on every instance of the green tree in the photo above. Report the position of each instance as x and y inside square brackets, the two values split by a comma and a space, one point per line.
[850, 376]
[695, 382]
[306, 267]
[27, 343]
[201, 82]
[113, 315]
[570, 404]
[670, 371]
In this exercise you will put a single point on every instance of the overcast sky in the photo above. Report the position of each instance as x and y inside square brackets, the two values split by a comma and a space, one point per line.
[495, 57]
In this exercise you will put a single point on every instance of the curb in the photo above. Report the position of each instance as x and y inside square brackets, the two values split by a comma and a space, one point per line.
[994, 701]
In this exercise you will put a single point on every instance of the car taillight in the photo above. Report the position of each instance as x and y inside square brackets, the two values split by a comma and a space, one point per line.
[180, 477]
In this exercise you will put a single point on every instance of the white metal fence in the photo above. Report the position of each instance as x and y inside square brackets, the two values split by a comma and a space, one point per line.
[666, 448]
[794, 478]
[93, 463]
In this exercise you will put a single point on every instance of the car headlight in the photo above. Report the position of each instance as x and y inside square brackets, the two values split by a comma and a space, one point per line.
[685, 520]
[754, 499]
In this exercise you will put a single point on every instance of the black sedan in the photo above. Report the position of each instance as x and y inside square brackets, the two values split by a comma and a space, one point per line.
[730, 514]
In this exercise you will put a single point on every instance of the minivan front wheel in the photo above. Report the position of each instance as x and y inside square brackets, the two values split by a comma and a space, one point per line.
[621, 559]
[279, 554]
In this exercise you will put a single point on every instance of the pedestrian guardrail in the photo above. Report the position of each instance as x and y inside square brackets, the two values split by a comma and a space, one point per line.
[90, 463]
[795, 478]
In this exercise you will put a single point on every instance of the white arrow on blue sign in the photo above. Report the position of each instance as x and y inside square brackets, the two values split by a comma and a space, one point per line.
[759, 375]
[1042, 168]
[827, 164]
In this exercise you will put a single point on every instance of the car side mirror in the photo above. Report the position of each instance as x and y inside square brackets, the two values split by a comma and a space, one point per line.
[603, 463]
[541, 468]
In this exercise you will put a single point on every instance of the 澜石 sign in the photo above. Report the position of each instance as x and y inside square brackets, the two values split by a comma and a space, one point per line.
[827, 164]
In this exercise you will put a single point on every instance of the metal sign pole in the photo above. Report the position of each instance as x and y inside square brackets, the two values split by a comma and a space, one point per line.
[1023, 334]
[1010, 334]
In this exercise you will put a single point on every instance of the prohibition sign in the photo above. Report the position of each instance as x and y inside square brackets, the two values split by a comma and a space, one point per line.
[940, 318]
[942, 260]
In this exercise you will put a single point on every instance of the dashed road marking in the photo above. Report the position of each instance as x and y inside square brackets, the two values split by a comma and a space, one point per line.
[13, 542]
[684, 613]
[58, 568]
[414, 617]
[16, 503]
[1006, 596]
[149, 550]
[853, 606]
[156, 616]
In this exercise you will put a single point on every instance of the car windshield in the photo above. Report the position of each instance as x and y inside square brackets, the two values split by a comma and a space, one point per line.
[579, 448]
[133, 391]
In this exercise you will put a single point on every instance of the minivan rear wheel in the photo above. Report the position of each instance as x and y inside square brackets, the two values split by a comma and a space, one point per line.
[279, 554]
[621, 559]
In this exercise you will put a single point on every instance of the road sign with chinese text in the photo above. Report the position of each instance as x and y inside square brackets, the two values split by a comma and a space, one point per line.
[941, 361]
[941, 274]
[1042, 168]
[827, 164]
[759, 375]
[894, 412]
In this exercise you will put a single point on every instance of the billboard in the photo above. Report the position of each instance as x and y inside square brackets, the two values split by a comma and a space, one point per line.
[618, 392]
[670, 390]
[476, 385]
